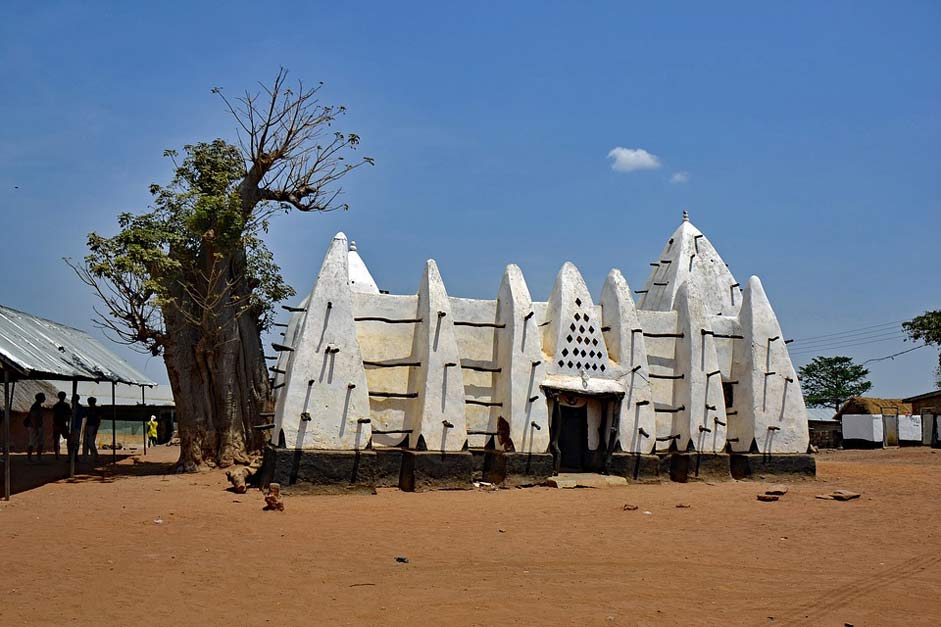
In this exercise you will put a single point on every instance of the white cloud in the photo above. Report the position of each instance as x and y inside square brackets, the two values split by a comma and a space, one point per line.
[679, 177]
[630, 159]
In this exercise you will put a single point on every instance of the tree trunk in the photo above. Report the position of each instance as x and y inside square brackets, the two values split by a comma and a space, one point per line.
[218, 375]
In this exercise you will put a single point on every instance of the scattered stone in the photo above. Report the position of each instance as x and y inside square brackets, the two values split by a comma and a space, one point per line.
[158, 521]
[768, 497]
[648, 513]
[839, 495]
[844, 495]
[585, 480]
[401, 559]
[777, 490]
[273, 500]
[562, 483]
[501, 530]
[629, 508]
[683, 505]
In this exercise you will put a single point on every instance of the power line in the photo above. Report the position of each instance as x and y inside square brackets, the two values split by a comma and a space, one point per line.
[851, 340]
[856, 338]
[850, 331]
[843, 346]
[893, 356]
[851, 336]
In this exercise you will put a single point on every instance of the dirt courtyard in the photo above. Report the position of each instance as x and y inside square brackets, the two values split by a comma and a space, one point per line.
[92, 552]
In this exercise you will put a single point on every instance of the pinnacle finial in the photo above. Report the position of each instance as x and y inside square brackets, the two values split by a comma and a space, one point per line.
[685, 216]
[353, 246]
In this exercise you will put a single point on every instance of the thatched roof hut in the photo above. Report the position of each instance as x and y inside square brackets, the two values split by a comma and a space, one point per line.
[873, 406]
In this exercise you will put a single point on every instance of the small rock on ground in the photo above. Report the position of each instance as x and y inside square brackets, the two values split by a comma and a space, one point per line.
[768, 497]
[844, 495]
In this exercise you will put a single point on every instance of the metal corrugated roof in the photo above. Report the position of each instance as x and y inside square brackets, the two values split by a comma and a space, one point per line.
[37, 348]
[821, 414]
[125, 395]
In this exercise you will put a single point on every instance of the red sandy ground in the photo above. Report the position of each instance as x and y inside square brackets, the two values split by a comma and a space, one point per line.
[90, 553]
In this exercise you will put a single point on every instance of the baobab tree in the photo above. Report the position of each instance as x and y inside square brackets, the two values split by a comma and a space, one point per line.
[191, 279]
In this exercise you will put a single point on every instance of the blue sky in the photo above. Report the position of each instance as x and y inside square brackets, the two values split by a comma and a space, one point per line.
[808, 134]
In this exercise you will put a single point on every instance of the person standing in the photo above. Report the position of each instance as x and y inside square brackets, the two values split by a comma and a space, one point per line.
[75, 428]
[92, 422]
[152, 431]
[34, 428]
[61, 414]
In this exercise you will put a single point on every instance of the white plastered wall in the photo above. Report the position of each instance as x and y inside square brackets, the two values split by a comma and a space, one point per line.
[476, 341]
[386, 343]
[698, 400]
[522, 365]
[862, 427]
[637, 424]
[325, 395]
[659, 329]
[437, 414]
[768, 399]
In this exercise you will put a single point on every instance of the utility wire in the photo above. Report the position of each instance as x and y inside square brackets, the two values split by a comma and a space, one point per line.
[868, 329]
[848, 340]
[850, 336]
[858, 338]
[827, 349]
[893, 356]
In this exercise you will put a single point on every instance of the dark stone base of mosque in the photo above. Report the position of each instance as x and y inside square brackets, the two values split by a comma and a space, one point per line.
[433, 470]
[684, 467]
[318, 472]
[759, 465]
[388, 469]
[635, 467]
[339, 472]
[512, 469]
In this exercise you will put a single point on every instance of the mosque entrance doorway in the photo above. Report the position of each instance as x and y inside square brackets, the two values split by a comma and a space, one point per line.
[573, 438]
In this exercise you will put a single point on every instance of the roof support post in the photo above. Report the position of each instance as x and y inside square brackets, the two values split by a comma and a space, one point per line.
[74, 438]
[6, 434]
[143, 402]
[114, 427]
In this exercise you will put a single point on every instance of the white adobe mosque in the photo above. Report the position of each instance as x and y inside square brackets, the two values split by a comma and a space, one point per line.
[422, 390]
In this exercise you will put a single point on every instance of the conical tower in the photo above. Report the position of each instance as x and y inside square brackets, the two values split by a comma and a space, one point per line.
[689, 256]
[770, 404]
[360, 278]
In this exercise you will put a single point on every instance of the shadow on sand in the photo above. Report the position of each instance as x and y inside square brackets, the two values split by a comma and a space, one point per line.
[27, 475]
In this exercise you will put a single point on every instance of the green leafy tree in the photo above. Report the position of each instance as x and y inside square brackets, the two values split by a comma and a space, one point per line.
[927, 328]
[192, 280]
[831, 381]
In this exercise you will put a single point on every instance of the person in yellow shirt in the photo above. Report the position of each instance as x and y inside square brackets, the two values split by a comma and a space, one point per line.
[152, 431]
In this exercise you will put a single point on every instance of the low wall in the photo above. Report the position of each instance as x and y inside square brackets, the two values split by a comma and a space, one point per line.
[869, 428]
[910, 428]
[866, 427]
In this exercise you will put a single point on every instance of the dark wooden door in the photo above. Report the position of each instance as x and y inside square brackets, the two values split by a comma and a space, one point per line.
[573, 438]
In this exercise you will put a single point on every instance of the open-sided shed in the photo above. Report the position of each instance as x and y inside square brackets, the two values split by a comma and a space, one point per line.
[33, 348]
